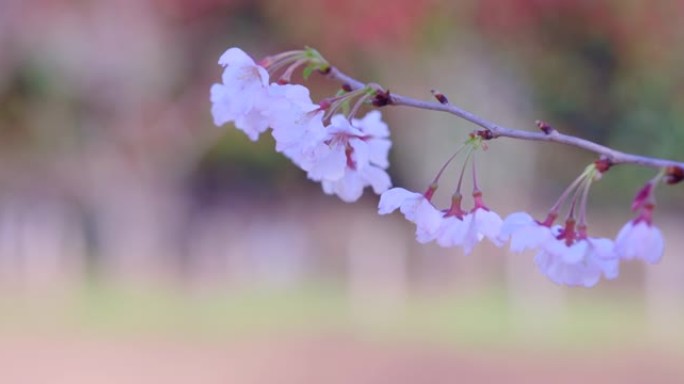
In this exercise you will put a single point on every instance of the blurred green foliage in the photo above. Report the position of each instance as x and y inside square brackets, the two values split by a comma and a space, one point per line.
[483, 319]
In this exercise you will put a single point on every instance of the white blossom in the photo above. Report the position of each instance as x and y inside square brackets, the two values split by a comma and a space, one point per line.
[375, 134]
[297, 121]
[581, 263]
[524, 232]
[242, 98]
[482, 223]
[355, 158]
[350, 187]
[416, 209]
[453, 230]
[639, 239]
[337, 150]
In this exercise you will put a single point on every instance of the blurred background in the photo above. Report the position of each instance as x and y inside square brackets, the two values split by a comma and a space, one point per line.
[141, 244]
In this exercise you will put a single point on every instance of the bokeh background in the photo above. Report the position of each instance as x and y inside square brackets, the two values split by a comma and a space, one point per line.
[141, 244]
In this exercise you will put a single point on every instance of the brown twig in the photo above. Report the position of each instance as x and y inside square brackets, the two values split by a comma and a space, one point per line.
[613, 156]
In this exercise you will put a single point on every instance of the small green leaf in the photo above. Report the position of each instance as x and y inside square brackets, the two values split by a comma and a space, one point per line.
[313, 54]
[308, 70]
[346, 108]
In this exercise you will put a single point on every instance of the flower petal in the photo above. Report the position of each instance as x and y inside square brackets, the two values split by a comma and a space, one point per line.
[394, 198]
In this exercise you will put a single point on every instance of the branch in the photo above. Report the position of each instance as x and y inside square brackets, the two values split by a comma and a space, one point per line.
[612, 155]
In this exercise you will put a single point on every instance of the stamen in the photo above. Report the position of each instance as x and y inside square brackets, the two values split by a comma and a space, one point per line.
[280, 57]
[583, 201]
[357, 106]
[460, 177]
[564, 196]
[476, 188]
[441, 170]
[287, 75]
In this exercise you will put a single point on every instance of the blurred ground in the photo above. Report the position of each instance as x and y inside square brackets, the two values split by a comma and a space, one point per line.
[324, 358]
[317, 335]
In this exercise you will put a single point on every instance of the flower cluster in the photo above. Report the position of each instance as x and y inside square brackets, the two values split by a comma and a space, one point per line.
[344, 154]
[451, 227]
[568, 256]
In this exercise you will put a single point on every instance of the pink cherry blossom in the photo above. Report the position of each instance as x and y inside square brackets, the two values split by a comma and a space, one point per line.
[524, 232]
[297, 121]
[345, 156]
[343, 149]
[355, 157]
[482, 223]
[416, 208]
[327, 163]
[453, 231]
[566, 255]
[243, 96]
[640, 239]
[375, 134]
[350, 187]
[581, 263]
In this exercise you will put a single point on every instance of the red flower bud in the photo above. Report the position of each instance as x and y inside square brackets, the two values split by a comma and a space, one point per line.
[642, 197]
[674, 175]
[544, 127]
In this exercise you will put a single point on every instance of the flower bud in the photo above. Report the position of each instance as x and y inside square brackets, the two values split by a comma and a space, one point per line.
[674, 175]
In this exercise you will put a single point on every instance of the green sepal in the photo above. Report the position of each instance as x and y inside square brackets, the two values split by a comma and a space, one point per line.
[308, 70]
[346, 108]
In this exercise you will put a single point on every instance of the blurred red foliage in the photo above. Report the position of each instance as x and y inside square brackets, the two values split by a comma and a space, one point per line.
[624, 25]
[343, 24]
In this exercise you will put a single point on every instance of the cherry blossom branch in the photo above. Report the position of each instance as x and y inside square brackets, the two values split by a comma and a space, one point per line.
[548, 134]
[347, 158]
